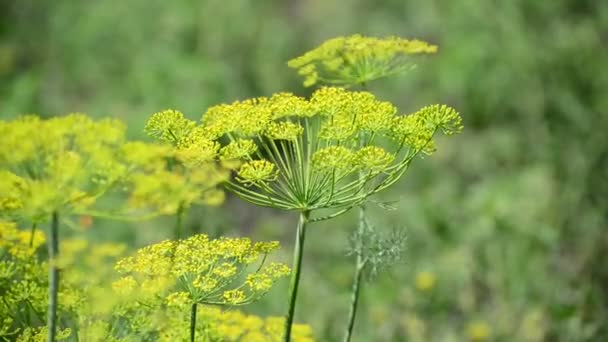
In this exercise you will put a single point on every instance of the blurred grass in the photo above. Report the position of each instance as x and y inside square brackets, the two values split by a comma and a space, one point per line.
[510, 217]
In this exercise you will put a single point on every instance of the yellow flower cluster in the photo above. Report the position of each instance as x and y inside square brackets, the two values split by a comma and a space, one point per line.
[169, 125]
[57, 164]
[23, 283]
[170, 324]
[358, 59]
[200, 270]
[290, 152]
[18, 243]
[165, 178]
[237, 326]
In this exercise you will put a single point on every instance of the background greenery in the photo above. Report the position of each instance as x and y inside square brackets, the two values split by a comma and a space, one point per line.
[509, 219]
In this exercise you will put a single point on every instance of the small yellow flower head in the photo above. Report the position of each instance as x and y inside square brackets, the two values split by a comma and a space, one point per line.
[124, 286]
[334, 158]
[169, 125]
[288, 105]
[257, 171]
[442, 117]
[197, 151]
[239, 149]
[244, 118]
[40, 334]
[284, 130]
[277, 270]
[178, 299]
[375, 116]
[478, 331]
[225, 270]
[338, 128]
[329, 101]
[358, 59]
[373, 158]
[425, 281]
[414, 132]
[259, 282]
[17, 242]
[266, 247]
[206, 283]
[234, 296]
[12, 189]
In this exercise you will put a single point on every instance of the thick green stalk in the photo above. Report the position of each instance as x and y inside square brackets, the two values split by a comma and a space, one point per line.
[295, 275]
[192, 322]
[53, 248]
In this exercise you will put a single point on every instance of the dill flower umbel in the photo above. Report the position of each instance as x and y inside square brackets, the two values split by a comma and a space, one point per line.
[358, 59]
[200, 270]
[300, 154]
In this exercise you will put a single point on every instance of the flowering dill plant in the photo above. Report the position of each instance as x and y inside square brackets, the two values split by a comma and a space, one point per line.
[59, 165]
[299, 154]
[358, 59]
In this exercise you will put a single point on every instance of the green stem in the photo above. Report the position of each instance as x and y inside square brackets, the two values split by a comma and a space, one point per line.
[53, 247]
[354, 298]
[356, 288]
[32, 232]
[192, 322]
[179, 221]
[295, 275]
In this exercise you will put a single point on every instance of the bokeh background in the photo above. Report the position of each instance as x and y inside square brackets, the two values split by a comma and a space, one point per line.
[506, 224]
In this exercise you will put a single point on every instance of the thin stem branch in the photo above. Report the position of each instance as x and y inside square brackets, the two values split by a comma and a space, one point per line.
[32, 232]
[354, 298]
[295, 275]
[53, 248]
[356, 287]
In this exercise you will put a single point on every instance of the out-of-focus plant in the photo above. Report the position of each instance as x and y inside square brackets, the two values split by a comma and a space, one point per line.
[194, 271]
[356, 60]
[160, 286]
[171, 324]
[56, 167]
[179, 171]
[84, 297]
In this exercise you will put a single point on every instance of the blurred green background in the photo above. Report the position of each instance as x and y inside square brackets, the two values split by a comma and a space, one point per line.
[506, 223]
